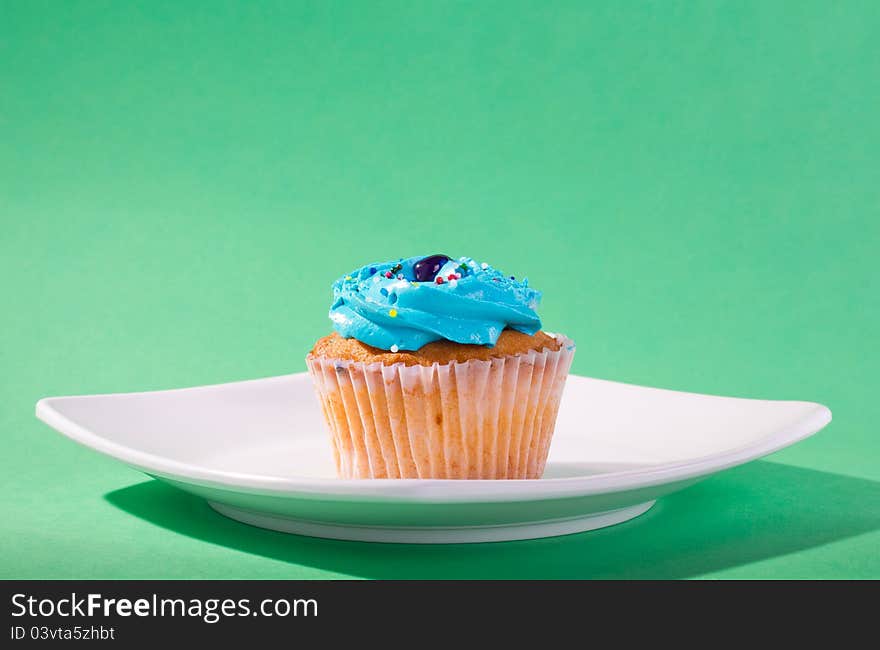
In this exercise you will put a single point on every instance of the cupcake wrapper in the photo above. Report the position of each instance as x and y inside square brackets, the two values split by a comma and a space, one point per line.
[474, 419]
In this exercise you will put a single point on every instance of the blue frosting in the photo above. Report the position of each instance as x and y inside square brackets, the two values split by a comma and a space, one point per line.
[398, 313]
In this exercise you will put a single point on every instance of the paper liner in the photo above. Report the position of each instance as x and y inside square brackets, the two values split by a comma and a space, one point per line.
[474, 419]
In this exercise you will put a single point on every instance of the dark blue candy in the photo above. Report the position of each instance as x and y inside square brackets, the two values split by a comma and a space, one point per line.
[426, 270]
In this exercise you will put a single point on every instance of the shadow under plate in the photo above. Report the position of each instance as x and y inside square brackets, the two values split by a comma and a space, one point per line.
[750, 513]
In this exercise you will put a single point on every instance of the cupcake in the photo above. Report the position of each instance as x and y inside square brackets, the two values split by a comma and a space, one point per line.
[438, 368]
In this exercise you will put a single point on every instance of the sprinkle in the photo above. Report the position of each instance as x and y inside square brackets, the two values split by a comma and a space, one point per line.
[414, 284]
[392, 298]
[389, 274]
[400, 276]
[393, 313]
[484, 266]
[348, 277]
[451, 276]
[512, 278]
[439, 279]
[497, 279]
[458, 276]
[394, 348]
[372, 270]
[383, 291]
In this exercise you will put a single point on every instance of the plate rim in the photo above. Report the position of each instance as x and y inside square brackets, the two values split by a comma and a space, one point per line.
[432, 490]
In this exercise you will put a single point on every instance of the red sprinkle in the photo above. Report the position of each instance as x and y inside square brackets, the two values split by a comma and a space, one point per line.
[451, 276]
[388, 274]
[439, 279]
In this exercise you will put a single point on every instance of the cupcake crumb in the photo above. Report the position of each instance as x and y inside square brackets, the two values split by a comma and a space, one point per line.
[510, 342]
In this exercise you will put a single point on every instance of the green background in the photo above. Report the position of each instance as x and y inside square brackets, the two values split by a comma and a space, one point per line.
[694, 185]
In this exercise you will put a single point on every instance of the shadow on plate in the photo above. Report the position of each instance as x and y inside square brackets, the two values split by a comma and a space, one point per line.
[750, 513]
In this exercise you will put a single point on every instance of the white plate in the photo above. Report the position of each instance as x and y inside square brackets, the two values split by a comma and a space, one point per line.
[258, 452]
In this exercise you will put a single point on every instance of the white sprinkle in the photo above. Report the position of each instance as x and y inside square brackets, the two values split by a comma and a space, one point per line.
[394, 348]
[550, 334]
[484, 266]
